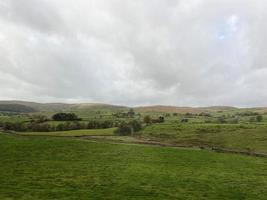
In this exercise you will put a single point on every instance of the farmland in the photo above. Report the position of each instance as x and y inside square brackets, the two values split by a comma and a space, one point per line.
[61, 168]
[117, 152]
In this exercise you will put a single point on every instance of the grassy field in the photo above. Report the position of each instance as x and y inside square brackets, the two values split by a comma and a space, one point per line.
[250, 137]
[15, 118]
[34, 168]
[104, 132]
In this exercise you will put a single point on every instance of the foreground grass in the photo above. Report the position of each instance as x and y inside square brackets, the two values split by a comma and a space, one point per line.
[86, 132]
[62, 168]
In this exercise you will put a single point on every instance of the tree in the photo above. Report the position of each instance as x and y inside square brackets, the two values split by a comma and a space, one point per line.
[259, 118]
[131, 113]
[128, 128]
[65, 117]
[161, 119]
[147, 119]
[221, 119]
[136, 125]
[124, 129]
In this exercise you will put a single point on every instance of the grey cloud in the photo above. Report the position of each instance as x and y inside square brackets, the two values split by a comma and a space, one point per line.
[38, 15]
[178, 52]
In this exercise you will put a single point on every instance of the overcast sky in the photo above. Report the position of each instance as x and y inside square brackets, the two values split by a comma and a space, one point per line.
[135, 52]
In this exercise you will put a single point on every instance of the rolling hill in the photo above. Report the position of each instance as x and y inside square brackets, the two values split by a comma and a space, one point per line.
[24, 106]
[17, 108]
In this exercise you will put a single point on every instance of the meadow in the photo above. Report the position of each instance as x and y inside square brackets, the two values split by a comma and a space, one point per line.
[117, 153]
[61, 168]
[247, 137]
[73, 133]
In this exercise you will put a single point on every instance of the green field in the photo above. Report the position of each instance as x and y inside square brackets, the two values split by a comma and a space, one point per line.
[61, 168]
[247, 137]
[108, 164]
[87, 132]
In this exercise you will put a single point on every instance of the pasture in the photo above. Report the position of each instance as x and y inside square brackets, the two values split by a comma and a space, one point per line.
[114, 153]
[73, 133]
[61, 168]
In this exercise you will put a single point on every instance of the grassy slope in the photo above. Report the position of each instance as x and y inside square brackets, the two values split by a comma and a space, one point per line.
[237, 136]
[15, 118]
[108, 131]
[56, 168]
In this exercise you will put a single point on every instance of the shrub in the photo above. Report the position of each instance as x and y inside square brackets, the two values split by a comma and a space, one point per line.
[184, 120]
[14, 126]
[136, 125]
[131, 113]
[39, 118]
[259, 118]
[124, 129]
[221, 120]
[159, 120]
[99, 124]
[128, 128]
[147, 119]
[65, 117]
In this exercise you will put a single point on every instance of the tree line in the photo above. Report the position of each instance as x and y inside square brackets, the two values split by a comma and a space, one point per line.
[64, 126]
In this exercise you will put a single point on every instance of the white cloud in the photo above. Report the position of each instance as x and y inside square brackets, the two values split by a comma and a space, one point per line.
[134, 52]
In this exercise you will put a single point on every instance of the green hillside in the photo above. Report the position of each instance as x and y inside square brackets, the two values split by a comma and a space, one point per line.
[19, 108]
[100, 107]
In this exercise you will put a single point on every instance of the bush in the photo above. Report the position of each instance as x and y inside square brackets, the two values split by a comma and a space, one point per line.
[65, 117]
[184, 120]
[259, 118]
[221, 120]
[14, 126]
[136, 125]
[131, 113]
[204, 114]
[234, 121]
[44, 127]
[124, 129]
[159, 120]
[39, 118]
[147, 119]
[248, 113]
[99, 124]
[128, 128]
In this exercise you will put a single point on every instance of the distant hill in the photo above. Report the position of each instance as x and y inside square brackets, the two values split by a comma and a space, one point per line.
[98, 107]
[61, 107]
[16, 108]
[40, 106]
[219, 108]
[24, 106]
[168, 109]
[174, 109]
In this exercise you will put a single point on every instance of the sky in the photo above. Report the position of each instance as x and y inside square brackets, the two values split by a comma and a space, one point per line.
[141, 52]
